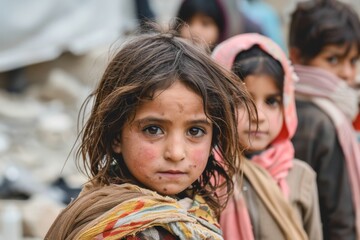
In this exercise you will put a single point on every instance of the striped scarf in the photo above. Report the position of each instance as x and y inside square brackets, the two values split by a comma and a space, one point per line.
[118, 211]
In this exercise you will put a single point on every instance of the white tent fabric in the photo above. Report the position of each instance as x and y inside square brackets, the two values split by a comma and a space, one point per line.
[40, 30]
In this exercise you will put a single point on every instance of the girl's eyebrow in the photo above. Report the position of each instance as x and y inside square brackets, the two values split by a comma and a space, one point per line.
[150, 120]
[274, 95]
[277, 94]
[200, 121]
[338, 52]
[145, 120]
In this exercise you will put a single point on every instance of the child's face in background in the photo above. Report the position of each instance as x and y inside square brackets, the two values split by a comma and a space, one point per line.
[267, 98]
[203, 27]
[336, 60]
[167, 145]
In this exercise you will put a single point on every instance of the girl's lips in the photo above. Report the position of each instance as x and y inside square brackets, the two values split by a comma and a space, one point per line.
[172, 175]
[172, 172]
[256, 133]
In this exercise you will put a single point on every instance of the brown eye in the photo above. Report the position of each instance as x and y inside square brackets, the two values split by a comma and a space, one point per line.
[196, 132]
[273, 101]
[332, 60]
[153, 130]
[354, 61]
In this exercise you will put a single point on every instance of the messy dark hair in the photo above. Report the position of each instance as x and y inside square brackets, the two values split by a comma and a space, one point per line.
[315, 24]
[147, 63]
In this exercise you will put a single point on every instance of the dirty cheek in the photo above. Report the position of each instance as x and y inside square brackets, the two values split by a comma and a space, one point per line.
[145, 159]
[193, 166]
[147, 154]
[200, 158]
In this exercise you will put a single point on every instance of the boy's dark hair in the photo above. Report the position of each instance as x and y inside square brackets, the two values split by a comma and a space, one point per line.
[315, 24]
[150, 62]
[189, 8]
[255, 61]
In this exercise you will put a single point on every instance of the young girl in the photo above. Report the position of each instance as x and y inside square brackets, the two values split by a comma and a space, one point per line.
[212, 21]
[324, 45]
[160, 109]
[279, 192]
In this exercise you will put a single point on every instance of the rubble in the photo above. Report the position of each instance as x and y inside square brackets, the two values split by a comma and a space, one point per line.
[38, 130]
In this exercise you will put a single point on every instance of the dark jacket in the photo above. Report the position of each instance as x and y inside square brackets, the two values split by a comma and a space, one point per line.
[316, 142]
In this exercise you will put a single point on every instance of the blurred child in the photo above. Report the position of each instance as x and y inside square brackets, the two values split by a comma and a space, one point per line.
[212, 21]
[324, 45]
[279, 192]
[159, 111]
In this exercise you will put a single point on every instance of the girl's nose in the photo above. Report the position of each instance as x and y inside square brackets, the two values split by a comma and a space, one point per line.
[175, 148]
[261, 115]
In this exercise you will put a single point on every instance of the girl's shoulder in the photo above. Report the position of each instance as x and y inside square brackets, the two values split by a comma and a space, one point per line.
[302, 181]
[303, 167]
[301, 172]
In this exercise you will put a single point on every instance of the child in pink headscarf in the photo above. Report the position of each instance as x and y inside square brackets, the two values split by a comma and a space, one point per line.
[277, 198]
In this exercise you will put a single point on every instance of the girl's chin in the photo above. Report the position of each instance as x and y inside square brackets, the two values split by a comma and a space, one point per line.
[253, 151]
[256, 148]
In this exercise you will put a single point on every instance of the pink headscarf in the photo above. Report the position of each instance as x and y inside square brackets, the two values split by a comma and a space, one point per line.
[277, 158]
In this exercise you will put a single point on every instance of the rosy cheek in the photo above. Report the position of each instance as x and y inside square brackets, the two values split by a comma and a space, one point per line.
[275, 119]
[143, 154]
[200, 157]
[148, 154]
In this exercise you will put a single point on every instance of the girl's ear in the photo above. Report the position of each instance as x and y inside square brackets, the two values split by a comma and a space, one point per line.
[295, 56]
[116, 145]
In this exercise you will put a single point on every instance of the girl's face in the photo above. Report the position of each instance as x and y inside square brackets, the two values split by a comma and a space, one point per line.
[203, 27]
[334, 59]
[167, 145]
[267, 98]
